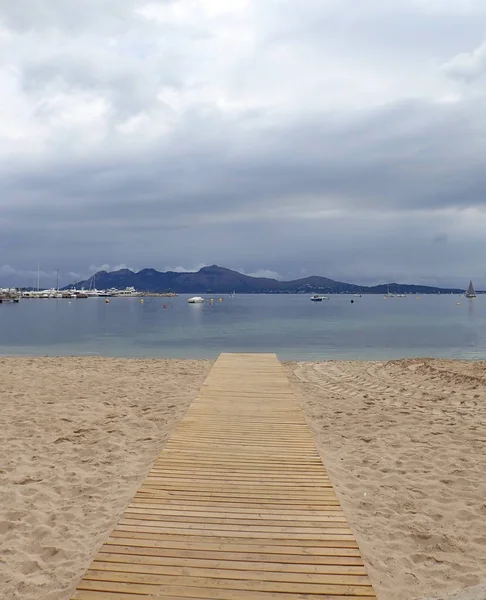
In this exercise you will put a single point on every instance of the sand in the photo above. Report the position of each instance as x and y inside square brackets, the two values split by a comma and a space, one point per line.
[77, 436]
[405, 445]
[404, 442]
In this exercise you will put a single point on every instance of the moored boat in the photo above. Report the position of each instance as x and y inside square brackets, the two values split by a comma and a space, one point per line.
[470, 292]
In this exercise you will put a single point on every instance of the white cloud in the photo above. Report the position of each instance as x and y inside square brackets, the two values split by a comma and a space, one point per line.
[106, 267]
[180, 269]
[268, 273]
[467, 66]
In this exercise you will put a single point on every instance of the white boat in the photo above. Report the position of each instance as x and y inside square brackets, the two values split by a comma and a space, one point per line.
[470, 292]
[398, 293]
[127, 292]
[317, 298]
[196, 300]
[9, 295]
[92, 292]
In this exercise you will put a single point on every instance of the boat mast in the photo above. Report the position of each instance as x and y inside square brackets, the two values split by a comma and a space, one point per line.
[38, 277]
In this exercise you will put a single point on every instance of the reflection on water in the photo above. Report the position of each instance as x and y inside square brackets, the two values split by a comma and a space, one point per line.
[295, 328]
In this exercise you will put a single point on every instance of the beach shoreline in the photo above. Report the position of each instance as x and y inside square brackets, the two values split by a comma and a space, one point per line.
[404, 443]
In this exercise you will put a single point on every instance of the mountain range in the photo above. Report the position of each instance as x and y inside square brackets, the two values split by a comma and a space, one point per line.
[215, 279]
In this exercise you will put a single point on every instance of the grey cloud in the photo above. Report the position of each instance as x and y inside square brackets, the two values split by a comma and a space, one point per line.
[403, 156]
[236, 141]
[441, 238]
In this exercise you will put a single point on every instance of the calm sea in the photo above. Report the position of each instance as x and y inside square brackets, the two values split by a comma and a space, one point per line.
[290, 325]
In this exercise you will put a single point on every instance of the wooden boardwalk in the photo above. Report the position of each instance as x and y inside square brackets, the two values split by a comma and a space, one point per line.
[238, 506]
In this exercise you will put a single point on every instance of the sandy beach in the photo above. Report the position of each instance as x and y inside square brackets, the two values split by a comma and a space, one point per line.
[78, 435]
[404, 443]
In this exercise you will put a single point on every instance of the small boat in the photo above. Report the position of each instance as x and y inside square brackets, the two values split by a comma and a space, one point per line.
[196, 300]
[470, 292]
[398, 295]
[317, 298]
[128, 292]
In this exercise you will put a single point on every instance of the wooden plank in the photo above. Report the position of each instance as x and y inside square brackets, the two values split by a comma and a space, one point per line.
[225, 548]
[237, 506]
[236, 513]
[251, 574]
[242, 533]
[129, 557]
[153, 584]
[152, 495]
[188, 507]
[238, 473]
[221, 538]
[189, 595]
[232, 518]
[263, 527]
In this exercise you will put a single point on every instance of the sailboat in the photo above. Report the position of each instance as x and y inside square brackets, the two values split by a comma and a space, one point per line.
[398, 293]
[470, 293]
[58, 293]
[92, 291]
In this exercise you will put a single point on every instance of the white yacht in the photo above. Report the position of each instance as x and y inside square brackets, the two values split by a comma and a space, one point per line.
[196, 300]
[127, 292]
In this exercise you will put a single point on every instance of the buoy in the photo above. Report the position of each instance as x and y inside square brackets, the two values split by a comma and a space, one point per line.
[141, 301]
[352, 301]
[458, 303]
[220, 300]
[107, 301]
[164, 305]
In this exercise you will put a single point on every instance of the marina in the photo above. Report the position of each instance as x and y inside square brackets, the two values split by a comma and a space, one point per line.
[9, 295]
[53, 293]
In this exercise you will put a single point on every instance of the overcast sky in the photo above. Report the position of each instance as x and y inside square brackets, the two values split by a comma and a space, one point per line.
[345, 138]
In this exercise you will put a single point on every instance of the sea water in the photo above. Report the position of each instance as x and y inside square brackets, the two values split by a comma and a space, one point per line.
[343, 327]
